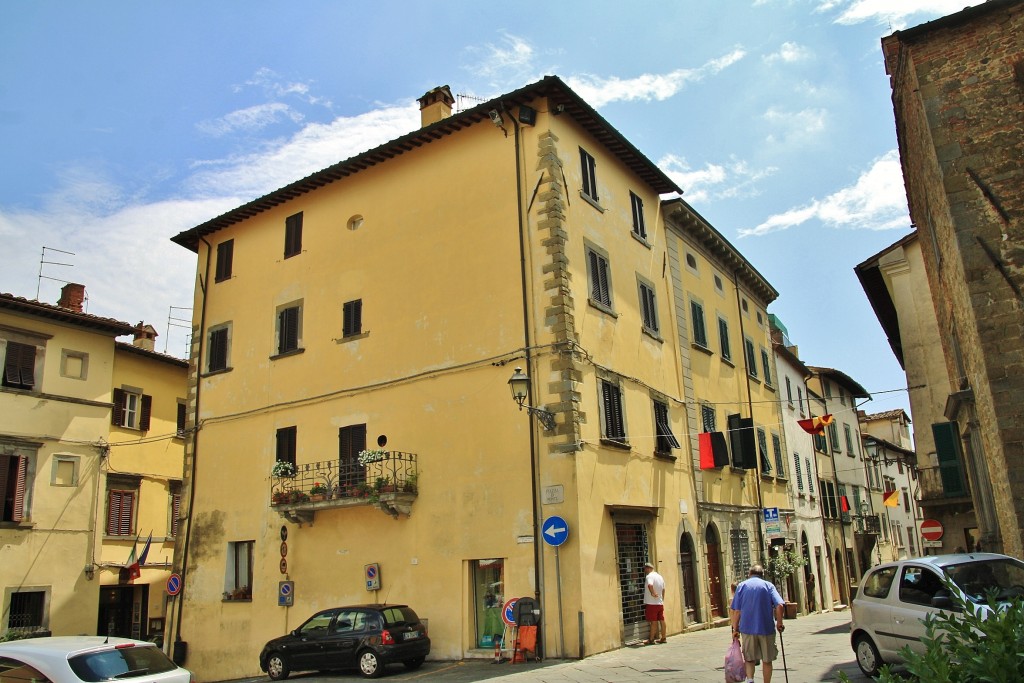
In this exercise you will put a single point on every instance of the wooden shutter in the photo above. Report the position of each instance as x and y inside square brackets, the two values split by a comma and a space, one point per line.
[614, 424]
[117, 416]
[293, 235]
[175, 512]
[353, 318]
[13, 475]
[218, 359]
[120, 505]
[700, 335]
[947, 450]
[146, 412]
[20, 365]
[288, 329]
[665, 438]
[225, 256]
[286, 444]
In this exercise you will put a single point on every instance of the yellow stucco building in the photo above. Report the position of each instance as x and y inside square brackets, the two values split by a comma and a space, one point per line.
[91, 449]
[364, 324]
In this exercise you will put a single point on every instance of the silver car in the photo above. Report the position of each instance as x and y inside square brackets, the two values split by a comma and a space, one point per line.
[88, 659]
[895, 597]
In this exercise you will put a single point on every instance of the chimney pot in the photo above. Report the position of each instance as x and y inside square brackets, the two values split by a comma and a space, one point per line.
[435, 105]
[72, 296]
[145, 336]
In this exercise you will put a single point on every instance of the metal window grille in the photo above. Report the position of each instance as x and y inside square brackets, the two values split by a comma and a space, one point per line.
[740, 544]
[631, 544]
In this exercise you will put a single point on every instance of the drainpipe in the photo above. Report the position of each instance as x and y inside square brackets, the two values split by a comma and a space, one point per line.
[750, 407]
[195, 447]
[538, 563]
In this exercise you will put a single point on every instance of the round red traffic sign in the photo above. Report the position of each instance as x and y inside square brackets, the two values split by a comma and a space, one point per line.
[931, 529]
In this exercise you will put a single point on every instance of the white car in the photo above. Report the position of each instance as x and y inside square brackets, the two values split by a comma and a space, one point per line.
[88, 659]
[895, 597]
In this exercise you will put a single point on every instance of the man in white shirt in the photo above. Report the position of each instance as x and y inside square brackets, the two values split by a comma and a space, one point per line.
[654, 605]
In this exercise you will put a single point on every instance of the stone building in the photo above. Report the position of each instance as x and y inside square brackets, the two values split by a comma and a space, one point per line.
[958, 85]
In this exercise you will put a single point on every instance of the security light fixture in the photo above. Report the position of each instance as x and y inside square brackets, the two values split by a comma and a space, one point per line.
[519, 383]
[527, 115]
[496, 117]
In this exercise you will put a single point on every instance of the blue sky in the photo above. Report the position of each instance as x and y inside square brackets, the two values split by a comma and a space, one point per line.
[124, 123]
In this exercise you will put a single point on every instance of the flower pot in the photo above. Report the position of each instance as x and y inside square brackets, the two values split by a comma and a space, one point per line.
[791, 608]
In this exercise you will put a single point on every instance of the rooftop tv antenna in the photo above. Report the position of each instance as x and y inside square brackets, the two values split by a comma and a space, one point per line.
[174, 320]
[459, 97]
[42, 261]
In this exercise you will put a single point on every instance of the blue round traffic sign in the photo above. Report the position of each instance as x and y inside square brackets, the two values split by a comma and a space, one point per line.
[555, 530]
[174, 584]
[508, 612]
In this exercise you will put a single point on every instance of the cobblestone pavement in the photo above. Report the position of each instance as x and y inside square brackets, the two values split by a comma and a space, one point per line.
[817, 648]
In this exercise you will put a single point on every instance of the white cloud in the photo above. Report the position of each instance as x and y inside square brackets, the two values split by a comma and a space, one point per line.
[789, 53]
[600, 91]
[792, 126]
[714, 181]
[510, 58]
[121, 243]
[250, 119]
[876, 201]
[274, 87]
[894, 14]
[314, 147]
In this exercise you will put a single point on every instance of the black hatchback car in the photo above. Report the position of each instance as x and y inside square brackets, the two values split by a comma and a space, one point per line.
[364, 637]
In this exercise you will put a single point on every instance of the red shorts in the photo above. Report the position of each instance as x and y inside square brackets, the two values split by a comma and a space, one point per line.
[654, 612]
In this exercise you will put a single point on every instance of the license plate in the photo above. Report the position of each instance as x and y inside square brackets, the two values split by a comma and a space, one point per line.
[411, 635]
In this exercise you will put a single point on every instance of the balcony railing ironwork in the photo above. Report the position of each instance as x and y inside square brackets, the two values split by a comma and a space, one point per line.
[869, 524]
[344, 483]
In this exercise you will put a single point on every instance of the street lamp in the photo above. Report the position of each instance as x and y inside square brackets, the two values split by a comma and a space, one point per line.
[519, 383]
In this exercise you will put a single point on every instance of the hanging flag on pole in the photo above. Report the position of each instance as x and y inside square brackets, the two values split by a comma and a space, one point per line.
[845, 504]
[892, 499]
[133, 564]
[145, 550]
[815, 425]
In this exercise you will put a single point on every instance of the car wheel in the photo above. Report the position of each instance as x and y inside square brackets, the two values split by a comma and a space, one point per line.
[370, 665]
[868, 658]
[277, 666]
[414, 663]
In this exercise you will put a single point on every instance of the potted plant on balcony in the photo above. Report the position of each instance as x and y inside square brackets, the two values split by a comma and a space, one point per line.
[318, 492]
[283, 469]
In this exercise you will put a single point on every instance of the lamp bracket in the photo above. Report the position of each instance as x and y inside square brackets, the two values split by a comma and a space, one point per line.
[546, 417]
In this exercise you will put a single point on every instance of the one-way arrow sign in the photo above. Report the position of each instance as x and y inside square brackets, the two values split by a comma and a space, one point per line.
[555, 531]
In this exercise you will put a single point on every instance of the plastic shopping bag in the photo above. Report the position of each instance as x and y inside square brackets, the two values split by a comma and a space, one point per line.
[735, 667]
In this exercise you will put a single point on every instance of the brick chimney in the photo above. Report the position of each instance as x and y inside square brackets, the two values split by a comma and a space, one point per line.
[145, 336]
[72, 296]
[435, 105]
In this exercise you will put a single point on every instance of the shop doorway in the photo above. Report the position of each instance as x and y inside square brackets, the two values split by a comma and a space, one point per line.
[713, 548]
[688, 567]
[122, 611]
[632, 551]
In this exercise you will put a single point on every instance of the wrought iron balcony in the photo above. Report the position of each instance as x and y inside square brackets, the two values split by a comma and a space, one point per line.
[869, 524]
[390, 483]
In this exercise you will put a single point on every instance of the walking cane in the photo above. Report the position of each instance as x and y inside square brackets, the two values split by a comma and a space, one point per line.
[785, 670]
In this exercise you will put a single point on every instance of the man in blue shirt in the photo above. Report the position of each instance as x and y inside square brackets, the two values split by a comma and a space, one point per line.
[755, 603]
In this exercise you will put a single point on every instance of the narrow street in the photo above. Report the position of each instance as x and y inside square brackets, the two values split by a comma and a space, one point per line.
[817, 648]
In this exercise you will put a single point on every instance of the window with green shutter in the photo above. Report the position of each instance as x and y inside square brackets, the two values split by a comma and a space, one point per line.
[947, 450]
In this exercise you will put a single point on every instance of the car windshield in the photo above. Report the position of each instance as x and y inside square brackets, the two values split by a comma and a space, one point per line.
[120, 662]
[980, 578]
